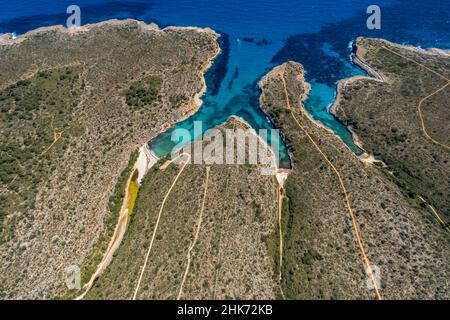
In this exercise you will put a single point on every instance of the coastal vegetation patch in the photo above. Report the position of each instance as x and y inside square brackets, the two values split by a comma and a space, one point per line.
[110, 221]
[133, 189]
[33, 113]
[144, 92]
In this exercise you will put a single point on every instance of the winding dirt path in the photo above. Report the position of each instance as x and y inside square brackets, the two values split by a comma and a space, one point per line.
[163, 167]
[197, 232]
[115, 241]
[280, 208]
[280, 198]
[344, 190]
[57, 135]
[423, 126]
[419, 106]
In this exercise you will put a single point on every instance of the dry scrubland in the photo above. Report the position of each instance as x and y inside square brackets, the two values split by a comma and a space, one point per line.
[384, 115]
[74, 106]
[233, 256]
[236, 253]
[97, 93]
[321, 257]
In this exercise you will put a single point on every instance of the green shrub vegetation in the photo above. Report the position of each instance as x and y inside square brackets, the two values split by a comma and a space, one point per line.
[110, 222]
[31, 111]
[144, 92]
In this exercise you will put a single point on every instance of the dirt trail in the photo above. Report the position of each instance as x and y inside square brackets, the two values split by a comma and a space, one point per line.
[197, 232]
[419, 106]
[122, 222]
[115, 241]
[57, 135]
[280, 208]
[163, 167]
[280, 197]
[422, 122]
[436, 214]
[344, 190]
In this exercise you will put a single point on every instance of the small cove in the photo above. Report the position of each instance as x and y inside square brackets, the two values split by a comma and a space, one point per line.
[256, 36]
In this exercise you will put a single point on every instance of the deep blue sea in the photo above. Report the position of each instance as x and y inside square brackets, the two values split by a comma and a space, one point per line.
[257, 35]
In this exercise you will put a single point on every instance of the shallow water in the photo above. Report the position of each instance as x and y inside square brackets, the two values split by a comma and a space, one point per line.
[261, 34]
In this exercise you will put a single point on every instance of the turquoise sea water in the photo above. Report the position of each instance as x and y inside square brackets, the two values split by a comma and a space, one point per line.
[257, 35]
